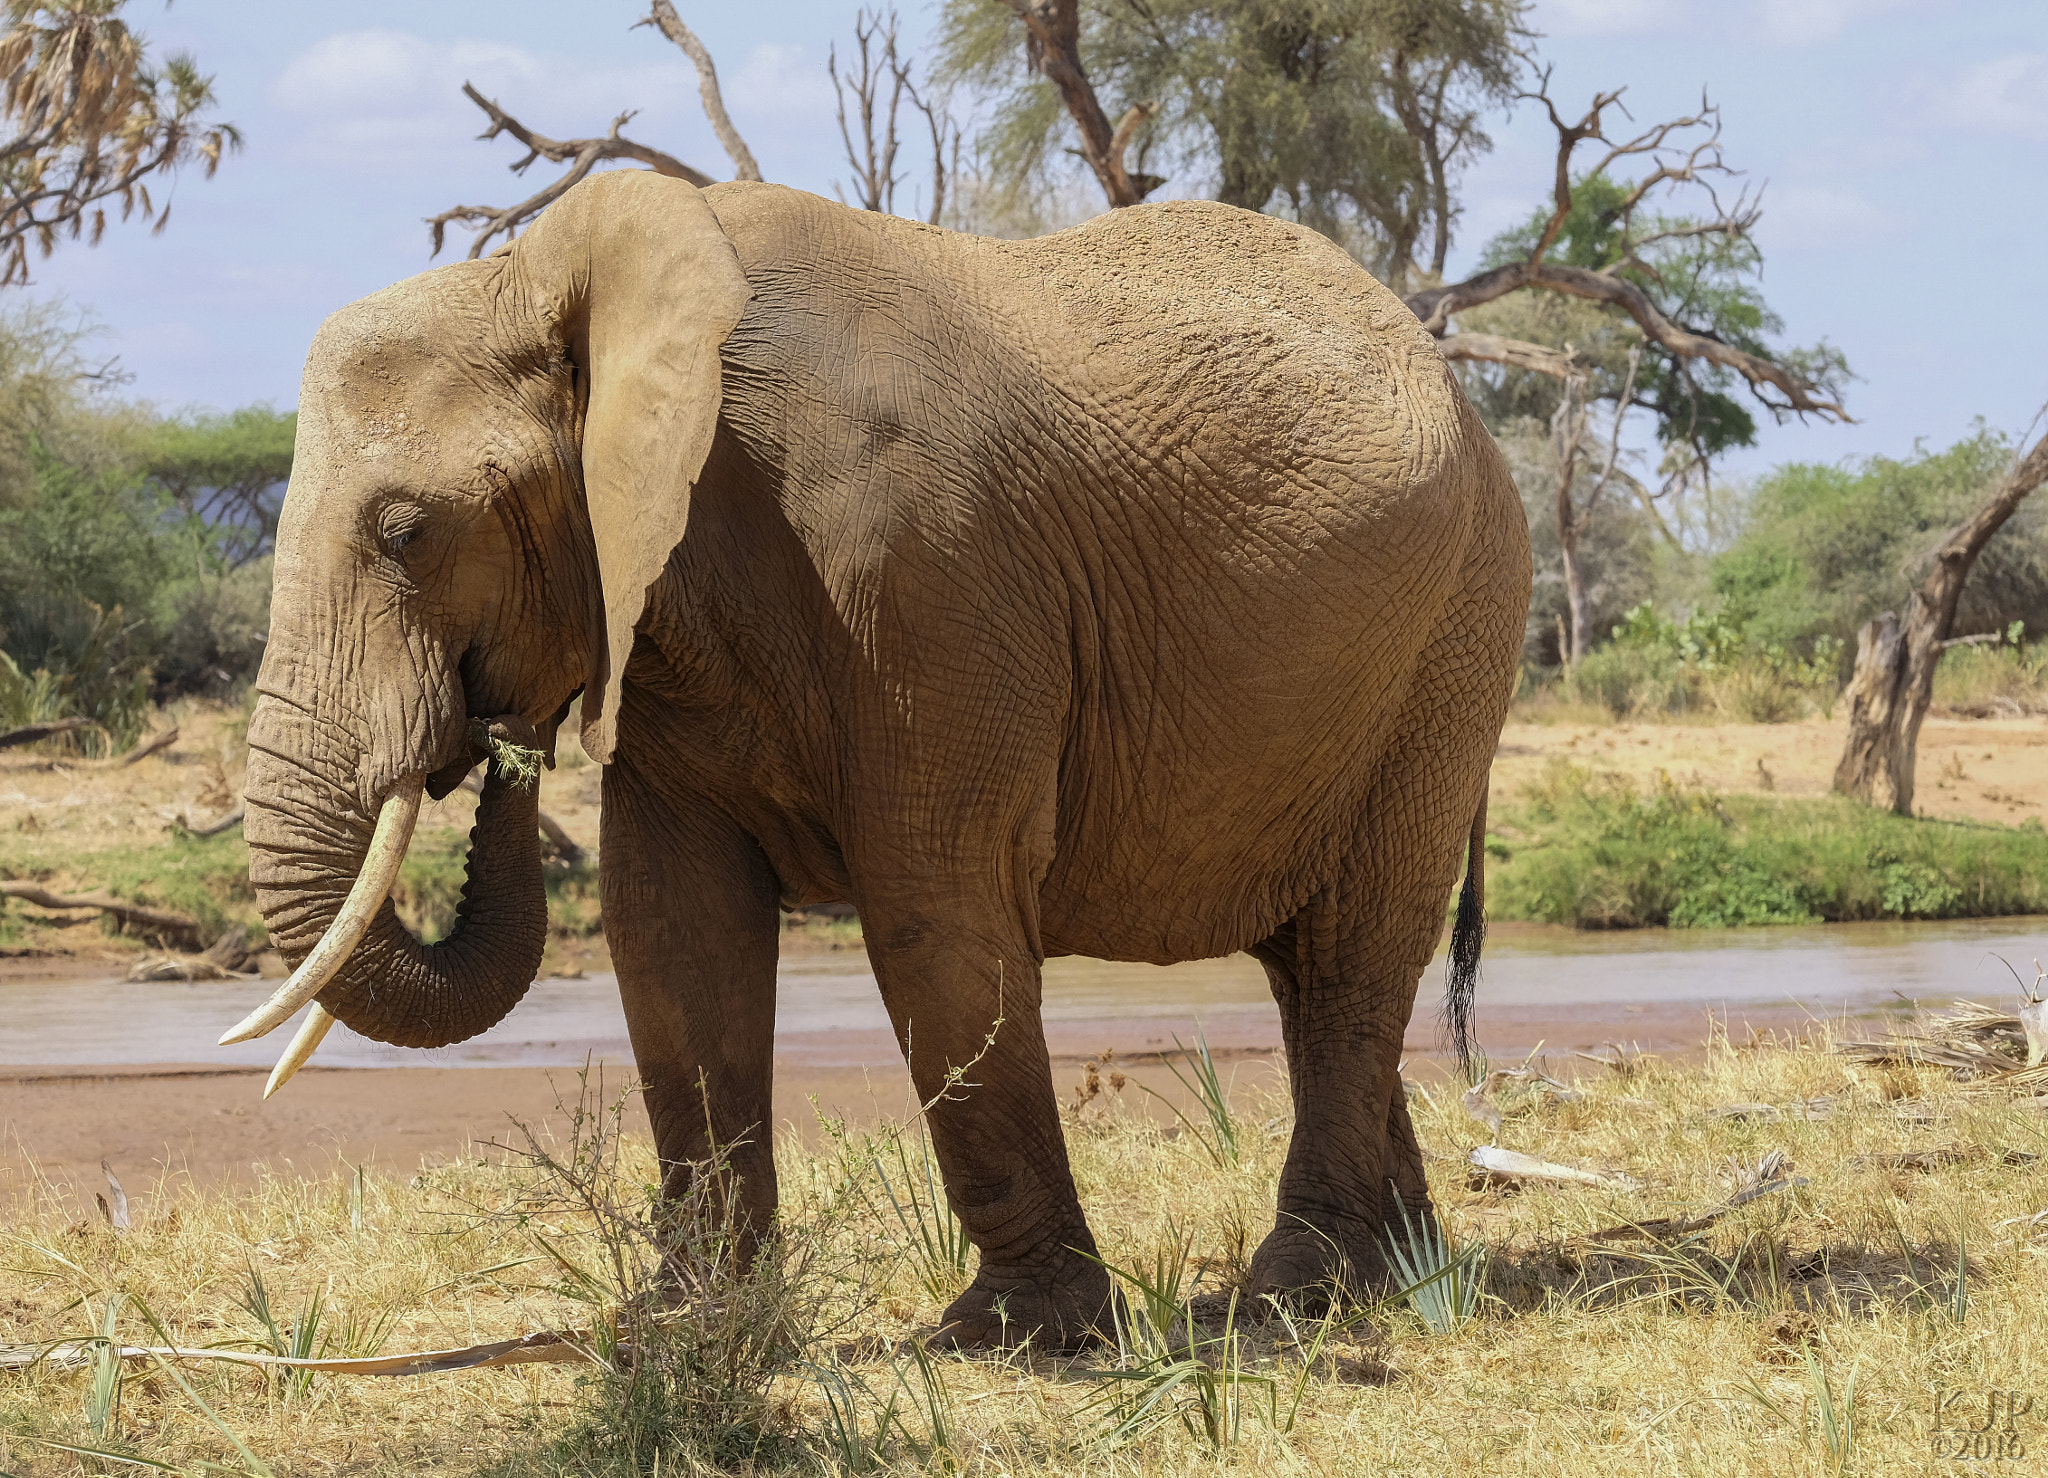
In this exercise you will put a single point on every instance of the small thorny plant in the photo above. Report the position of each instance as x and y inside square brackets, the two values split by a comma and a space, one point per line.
[691, 1316]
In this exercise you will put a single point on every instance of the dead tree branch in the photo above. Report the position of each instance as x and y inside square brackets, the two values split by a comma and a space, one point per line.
[1053, 49]
[1514, 353]
[581, 155]
[1696, 163]
[873, 160]
[664, 19]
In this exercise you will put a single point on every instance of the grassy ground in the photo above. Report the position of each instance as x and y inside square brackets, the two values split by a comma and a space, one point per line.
[1808, 1332]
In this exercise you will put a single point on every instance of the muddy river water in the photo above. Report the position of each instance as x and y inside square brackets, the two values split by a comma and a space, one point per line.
[1661, 989]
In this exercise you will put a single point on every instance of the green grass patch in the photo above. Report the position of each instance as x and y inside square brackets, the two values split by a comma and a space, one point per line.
[204, 877]
[1592, 851]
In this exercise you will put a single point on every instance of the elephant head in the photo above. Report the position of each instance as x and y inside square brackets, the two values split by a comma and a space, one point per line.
[493, 465]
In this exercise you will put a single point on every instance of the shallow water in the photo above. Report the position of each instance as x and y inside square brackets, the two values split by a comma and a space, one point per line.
[1565, 988]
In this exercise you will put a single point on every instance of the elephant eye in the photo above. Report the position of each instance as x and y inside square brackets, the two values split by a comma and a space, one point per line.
[399, 527]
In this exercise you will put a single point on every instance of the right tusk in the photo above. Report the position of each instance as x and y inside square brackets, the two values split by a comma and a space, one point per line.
[395, 819]
[303, 1046]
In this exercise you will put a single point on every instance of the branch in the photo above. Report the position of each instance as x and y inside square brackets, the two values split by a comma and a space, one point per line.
[664, 19]
[583, 155]
[158, 922]
[1053, 48]
[1515, 353]
[1436, 305]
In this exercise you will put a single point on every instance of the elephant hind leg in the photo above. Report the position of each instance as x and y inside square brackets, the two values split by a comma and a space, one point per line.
[1345, 971]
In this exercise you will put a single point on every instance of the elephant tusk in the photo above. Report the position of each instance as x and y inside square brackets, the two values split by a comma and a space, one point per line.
[395, 819]
[303, 1046]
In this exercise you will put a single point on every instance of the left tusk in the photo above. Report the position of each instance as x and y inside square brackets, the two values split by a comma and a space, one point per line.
[395, 820]
[303, 1046]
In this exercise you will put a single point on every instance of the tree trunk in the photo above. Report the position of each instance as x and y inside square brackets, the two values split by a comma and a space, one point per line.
[1895, 661]
[1578, 604]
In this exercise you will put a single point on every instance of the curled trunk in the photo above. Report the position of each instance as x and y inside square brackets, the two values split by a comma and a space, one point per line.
[393, 988]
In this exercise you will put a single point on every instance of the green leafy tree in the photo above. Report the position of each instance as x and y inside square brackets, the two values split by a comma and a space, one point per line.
[1352, 116]
[227, 471]
[1827, 547]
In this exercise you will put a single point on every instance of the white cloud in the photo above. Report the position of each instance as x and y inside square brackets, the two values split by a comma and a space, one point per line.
[2007, 97]
[1799, 216]
[780, 78]
[1610, 17]
[1771, 22]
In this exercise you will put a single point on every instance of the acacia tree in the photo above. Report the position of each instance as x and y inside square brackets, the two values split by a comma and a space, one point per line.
[1353, 116]
[86, 123]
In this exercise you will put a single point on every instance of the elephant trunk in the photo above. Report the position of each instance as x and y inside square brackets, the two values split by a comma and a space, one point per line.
[314, 860]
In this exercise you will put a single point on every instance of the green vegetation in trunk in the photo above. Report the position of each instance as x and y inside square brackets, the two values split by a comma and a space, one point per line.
[1592, 851]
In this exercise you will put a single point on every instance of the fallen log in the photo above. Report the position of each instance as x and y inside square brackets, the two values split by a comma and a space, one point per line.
[214, 829]
[166, 926]
[34, 732]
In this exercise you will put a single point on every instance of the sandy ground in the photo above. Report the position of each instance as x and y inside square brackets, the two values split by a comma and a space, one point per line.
[1969, 769]
[57, 1124]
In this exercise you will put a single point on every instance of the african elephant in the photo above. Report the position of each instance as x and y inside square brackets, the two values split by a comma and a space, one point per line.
[1147, 591]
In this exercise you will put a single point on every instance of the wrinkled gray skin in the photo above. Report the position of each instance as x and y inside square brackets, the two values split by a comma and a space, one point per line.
[1148, 591]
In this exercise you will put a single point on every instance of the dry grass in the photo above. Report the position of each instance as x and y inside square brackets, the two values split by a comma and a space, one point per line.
[1804, 1333]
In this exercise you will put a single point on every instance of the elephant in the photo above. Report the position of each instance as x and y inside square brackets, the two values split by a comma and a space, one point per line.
[1148, 591]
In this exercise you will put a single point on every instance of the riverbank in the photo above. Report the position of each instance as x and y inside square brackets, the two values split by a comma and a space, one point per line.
[1581, 851]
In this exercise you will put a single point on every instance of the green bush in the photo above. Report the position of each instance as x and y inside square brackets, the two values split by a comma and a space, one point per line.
[1825, 548]
[1592, 851]
[1654, 666]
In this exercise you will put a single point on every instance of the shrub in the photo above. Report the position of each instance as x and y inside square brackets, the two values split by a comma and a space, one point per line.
[1591, 851]
[1655, 665]
[2009, 677]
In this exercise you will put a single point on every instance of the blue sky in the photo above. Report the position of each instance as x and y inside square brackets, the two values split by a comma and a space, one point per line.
[1900, 144]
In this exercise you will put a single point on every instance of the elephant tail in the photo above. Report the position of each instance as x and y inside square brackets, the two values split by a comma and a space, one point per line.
[1468, 933]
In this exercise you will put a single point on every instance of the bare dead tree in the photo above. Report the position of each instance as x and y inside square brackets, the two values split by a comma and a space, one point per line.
[873, 156]
[584, 155]
[1568, 428]
[873, 159]
[85, 122]
[581, 155]
[1052, 48]
[1895, 660]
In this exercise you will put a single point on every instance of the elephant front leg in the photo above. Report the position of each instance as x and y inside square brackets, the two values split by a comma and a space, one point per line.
[964, 998]
[690, 908]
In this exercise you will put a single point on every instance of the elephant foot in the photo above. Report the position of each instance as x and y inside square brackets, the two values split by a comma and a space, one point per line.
[1001, 1310]
[1306, 1266]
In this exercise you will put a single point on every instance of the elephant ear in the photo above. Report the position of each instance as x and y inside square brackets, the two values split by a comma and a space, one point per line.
[644, 284]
